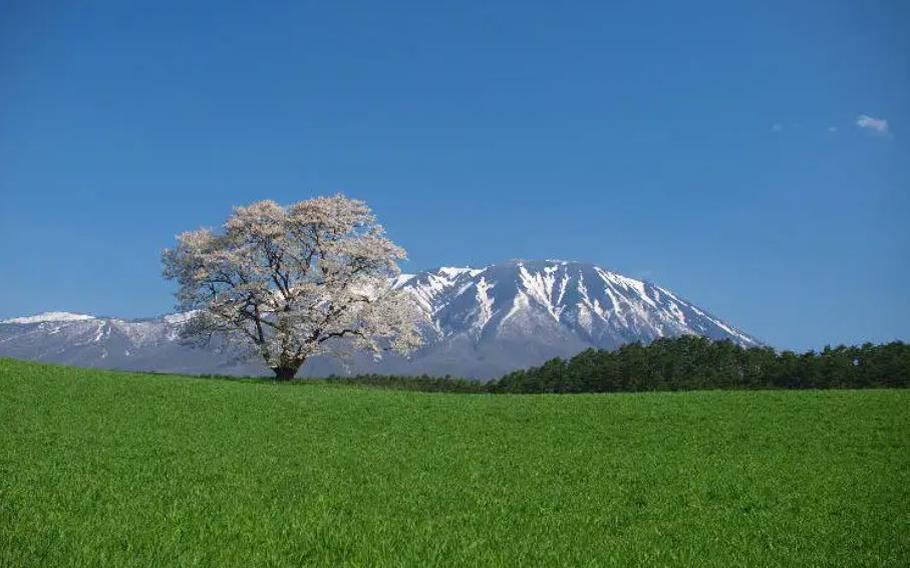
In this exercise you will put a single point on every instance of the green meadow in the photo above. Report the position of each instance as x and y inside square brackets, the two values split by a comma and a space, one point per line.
[101, 468]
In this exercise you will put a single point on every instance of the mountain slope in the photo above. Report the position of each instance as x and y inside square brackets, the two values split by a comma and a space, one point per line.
[478, 322]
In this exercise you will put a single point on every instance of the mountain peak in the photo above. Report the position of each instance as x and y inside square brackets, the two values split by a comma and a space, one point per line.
[602, 308]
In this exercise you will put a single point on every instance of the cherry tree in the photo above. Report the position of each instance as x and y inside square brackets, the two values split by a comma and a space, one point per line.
[292, 282]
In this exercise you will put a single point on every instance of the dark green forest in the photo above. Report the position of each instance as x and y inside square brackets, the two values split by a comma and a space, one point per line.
[691, 363]
[684, 363]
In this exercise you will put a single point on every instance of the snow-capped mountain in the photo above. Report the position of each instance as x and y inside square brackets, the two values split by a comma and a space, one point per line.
[478, 322]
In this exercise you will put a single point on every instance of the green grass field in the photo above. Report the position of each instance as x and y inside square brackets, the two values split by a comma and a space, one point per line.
[105, 469]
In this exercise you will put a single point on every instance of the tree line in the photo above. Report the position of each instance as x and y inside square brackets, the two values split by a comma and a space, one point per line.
[685, 363]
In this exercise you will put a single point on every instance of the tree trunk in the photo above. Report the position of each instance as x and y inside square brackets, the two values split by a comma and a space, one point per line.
[285, 372]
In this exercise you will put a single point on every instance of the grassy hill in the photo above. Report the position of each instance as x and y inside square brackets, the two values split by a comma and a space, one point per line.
[105, 468]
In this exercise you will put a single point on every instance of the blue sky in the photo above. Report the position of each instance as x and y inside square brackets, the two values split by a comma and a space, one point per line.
[715, 148]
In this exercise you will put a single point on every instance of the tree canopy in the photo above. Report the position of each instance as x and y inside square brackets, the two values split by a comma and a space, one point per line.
[288, 283]
[691, 363]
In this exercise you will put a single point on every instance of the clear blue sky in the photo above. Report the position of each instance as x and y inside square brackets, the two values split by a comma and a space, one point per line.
[710, 147]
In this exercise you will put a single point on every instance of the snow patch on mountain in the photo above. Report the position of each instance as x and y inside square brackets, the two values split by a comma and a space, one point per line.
[49, 317]
[401, 280]
[180, 317]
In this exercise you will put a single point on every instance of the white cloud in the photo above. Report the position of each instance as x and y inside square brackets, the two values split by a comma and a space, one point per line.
[879, 125]
[832, 129]
[777, 127]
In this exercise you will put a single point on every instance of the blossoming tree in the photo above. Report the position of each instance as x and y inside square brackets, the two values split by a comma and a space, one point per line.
[292, 282]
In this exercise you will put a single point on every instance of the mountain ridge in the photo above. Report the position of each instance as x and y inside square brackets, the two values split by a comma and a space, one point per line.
[476, 322]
